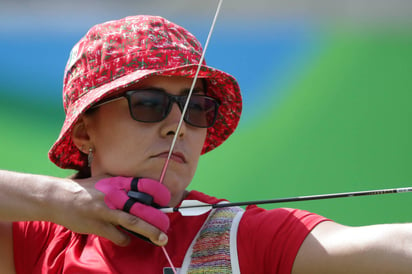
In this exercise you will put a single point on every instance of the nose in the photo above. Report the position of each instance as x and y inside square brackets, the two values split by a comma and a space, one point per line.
[171, 122]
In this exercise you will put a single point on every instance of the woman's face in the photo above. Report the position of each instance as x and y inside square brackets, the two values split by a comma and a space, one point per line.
[125, 147]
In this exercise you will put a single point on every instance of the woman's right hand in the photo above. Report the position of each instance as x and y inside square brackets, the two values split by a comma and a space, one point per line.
[147, 195]
[94, 206]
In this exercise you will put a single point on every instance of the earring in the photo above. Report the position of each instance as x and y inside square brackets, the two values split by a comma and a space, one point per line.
[90, 157]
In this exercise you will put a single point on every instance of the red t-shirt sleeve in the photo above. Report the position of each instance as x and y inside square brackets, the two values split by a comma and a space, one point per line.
[268, 240]
[30, 242]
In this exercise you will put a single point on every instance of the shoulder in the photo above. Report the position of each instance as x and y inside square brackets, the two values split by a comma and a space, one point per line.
[200, 196]
[256, 216]
[268, 240]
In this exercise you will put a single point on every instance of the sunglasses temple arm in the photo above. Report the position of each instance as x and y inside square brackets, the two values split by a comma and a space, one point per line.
[106, 102]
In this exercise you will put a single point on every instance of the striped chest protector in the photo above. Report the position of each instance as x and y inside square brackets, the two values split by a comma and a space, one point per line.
[214, 249]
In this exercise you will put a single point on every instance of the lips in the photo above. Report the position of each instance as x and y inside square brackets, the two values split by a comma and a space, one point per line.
[176, 156]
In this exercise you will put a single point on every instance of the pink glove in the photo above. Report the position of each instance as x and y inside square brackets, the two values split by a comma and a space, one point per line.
[156, 194]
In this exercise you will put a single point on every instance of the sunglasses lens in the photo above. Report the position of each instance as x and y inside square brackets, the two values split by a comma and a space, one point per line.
[149, 106]
[153, 106]
[201, 111]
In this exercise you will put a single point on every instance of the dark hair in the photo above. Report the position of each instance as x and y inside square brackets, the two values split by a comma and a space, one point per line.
[82, 174]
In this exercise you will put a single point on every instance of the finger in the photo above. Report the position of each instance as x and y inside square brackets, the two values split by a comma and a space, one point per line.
[103, 222]
[139, 226]
[151, 215]
[121, 182]
[116, 199]
[116, 236]
[106, 185]
[159, 192]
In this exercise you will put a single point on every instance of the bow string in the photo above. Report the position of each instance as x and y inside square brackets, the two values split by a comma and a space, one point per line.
[166, 164]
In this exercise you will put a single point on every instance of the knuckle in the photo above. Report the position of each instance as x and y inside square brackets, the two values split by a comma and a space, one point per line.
[133, 220]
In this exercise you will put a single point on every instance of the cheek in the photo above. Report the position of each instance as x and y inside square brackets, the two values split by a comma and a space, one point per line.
[126, 139]
[196, 148]
[119, 146]
[200, 140]
[126, 157]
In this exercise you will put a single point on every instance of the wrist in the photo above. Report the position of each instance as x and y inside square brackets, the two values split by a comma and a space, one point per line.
[56, 199]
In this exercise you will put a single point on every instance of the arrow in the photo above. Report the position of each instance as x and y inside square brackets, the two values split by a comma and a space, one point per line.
[195, 208]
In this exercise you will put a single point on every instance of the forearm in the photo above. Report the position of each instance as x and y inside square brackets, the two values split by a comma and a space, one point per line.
[376, 249]
[26, 197]
[23, 197]
[75, 204]
[333, 248]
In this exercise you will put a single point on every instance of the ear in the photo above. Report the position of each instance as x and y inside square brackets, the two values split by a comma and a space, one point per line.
[80, 136]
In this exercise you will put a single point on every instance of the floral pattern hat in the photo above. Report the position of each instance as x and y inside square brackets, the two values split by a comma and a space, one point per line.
[117, 54]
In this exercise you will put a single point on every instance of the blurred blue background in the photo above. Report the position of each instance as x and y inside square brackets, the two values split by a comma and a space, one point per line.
[326, 88]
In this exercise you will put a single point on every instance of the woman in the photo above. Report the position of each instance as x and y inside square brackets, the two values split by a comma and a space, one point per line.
[124, 89]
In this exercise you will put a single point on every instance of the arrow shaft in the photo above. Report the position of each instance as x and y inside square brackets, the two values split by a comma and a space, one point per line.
[318, 197]
[300, 198]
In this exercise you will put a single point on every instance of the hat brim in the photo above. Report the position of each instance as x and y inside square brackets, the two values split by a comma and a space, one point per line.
[220, 85]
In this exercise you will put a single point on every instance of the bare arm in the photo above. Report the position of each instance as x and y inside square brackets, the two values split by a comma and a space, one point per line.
[76, 205]
[334, 248]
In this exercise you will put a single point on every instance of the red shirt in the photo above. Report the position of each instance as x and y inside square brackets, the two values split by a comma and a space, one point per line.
[268, 241]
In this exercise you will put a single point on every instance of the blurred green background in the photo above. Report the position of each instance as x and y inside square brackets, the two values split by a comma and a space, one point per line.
[326, 101]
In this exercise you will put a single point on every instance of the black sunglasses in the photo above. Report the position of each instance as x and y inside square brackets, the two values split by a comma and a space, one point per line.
[151, 106]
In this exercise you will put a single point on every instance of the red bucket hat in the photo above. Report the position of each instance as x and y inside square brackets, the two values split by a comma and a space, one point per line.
[117, 54]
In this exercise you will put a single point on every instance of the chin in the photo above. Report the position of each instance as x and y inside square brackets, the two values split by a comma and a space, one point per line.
[176, 188]
[176, 199]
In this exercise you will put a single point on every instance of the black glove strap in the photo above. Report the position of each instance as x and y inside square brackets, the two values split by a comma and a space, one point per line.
[128, 205]
[140, 197]
[133, 184]
[134, 197]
